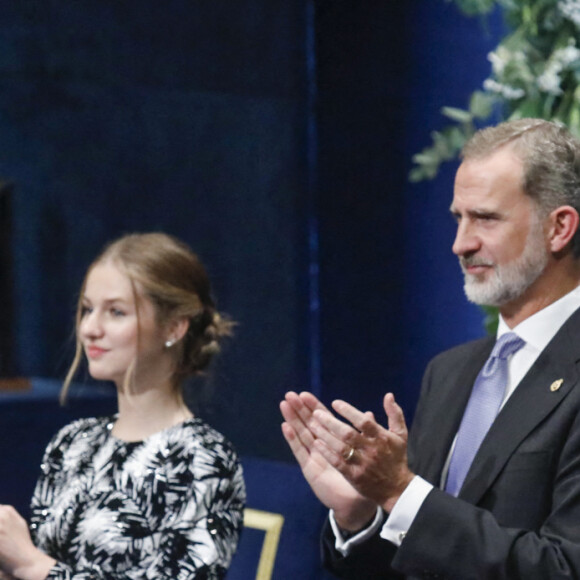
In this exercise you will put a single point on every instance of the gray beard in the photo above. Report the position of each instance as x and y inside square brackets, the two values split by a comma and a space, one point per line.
[508, 281]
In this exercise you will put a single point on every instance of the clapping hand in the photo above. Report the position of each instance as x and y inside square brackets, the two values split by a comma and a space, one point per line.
[371, 458]
[352, 466]
[352, 510]
[19, 557]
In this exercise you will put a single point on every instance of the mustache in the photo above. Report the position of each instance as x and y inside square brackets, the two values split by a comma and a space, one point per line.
[470, 261]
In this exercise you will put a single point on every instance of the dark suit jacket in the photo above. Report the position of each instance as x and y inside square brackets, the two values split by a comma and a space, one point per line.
[517, 516]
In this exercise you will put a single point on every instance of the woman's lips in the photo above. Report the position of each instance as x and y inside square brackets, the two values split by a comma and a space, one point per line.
[95, 351]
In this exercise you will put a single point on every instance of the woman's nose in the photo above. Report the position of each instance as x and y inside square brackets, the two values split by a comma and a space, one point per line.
[91, 325]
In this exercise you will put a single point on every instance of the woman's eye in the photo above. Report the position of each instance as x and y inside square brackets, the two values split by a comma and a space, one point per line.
[117, 313]
[86, 310]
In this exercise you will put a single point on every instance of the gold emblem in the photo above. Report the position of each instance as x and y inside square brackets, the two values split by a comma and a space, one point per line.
[556, 385]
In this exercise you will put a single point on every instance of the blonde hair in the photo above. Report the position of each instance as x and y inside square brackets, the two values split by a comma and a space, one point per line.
[169, 274]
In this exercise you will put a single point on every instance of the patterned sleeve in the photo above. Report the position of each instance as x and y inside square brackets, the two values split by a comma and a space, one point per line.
[178, 518]
[199, 537]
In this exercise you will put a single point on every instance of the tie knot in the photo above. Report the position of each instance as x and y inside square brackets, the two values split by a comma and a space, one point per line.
[507, 344]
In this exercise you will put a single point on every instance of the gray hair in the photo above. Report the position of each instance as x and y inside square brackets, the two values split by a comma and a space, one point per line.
[550, 155]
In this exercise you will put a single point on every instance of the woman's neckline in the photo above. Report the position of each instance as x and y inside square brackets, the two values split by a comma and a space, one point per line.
[112, 420]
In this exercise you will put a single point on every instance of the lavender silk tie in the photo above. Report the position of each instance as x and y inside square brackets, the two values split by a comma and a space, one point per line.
[483, 406]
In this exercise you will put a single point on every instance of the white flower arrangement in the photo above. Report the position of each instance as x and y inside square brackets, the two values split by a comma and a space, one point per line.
[535, 72]
[570, 9]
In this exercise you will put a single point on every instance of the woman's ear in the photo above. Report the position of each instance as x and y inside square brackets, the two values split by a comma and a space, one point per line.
[564, 222]
[177, 329]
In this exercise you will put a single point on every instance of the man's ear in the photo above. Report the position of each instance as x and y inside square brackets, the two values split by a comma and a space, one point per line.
[177, 328]
[564, 222]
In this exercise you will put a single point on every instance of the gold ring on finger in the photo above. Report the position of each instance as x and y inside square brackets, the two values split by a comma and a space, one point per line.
[348, 456]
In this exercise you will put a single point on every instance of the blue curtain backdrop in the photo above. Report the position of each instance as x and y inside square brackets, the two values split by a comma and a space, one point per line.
[391, 290]
[186, 117]
[273, 136]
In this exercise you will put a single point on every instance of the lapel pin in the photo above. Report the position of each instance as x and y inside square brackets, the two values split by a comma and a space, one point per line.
[556, 385]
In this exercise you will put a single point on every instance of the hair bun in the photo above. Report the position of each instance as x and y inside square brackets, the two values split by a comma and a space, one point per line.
[205, 342]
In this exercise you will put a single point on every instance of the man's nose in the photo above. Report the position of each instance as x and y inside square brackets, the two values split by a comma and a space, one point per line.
[466, 240]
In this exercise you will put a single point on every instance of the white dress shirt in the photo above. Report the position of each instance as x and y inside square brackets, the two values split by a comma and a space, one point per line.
[537, 331]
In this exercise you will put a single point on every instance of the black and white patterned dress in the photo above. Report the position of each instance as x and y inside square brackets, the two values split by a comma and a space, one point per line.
[166, 508]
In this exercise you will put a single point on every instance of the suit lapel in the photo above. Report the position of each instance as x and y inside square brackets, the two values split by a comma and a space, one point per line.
[532, 401]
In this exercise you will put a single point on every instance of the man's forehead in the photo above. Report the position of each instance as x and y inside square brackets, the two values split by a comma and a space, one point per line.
[493, 180]
[481, 207]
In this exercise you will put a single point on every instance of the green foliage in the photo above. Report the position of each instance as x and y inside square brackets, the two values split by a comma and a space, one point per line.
[535, 72]
[448, 142]
[491, 319]
[473, 7]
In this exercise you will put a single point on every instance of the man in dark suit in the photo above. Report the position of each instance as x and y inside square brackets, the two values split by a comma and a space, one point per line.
[460, 500]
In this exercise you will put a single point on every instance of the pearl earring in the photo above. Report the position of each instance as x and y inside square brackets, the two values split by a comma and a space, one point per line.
[168, 343]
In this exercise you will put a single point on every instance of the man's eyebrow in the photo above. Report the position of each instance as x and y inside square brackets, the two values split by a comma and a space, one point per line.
[483, 213]
[476, 212]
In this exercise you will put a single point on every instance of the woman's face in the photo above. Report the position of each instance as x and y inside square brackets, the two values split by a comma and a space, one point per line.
[114, 330]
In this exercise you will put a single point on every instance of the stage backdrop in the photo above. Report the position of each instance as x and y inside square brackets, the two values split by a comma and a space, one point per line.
[391, 289]
[179, 116]
[273, 136]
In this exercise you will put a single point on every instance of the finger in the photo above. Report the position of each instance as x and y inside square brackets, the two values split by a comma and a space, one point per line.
[330, 455]
[333, 426]
[395, 416]
[293, 400]
[304, 406]
[295, 409]
[300, 452]
[312, 402]
[288, 411]
[297, 402]
[336, 434]
[363, 422]
[299, 427]
[5, 510]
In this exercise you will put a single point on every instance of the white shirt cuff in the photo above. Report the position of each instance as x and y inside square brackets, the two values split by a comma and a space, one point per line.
[343, 546]
[405, 510]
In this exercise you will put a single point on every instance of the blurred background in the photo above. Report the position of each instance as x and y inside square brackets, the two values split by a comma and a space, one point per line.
[273, 137]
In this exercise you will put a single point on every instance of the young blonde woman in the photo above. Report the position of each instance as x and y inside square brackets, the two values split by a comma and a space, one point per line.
[152, 492]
